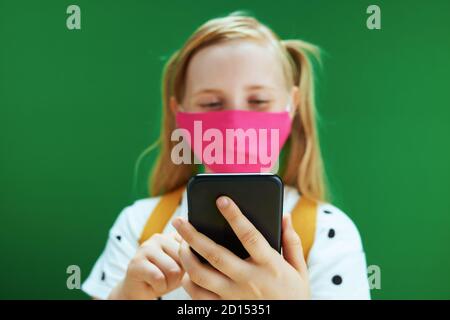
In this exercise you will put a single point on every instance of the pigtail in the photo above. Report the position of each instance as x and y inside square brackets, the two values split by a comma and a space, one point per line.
[166, 175]
[304, 165]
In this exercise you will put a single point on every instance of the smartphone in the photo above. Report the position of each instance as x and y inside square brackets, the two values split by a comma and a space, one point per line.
[259, 197]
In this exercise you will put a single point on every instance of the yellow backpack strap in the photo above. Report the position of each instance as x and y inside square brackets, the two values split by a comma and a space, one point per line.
[161, 214]
[304, 217]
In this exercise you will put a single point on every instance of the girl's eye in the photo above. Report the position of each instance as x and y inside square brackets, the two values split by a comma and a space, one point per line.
[211, 104]
[259, 103]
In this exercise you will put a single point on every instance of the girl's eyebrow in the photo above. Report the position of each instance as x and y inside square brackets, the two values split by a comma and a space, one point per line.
[208, 90]
[258, 87]
[248, 88]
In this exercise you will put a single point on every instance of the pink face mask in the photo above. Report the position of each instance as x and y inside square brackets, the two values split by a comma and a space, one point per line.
[235, 141]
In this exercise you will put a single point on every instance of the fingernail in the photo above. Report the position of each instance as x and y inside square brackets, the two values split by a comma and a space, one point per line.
[176, 222]
[222, 202]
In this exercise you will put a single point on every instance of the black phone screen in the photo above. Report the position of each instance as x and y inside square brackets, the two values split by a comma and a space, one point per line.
[259, 197]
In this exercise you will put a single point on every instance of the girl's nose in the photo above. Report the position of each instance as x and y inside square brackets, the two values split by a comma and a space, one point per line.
[237, 103]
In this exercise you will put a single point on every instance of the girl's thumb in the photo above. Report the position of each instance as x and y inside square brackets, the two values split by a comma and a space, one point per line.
[292, 246]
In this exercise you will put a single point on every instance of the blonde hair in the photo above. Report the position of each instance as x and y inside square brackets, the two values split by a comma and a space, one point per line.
[302, 166]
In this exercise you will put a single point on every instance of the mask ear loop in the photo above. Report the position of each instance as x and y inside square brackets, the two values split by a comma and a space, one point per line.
[289, 107]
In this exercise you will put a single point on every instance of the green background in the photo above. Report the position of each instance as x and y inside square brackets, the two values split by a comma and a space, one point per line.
[78, 107]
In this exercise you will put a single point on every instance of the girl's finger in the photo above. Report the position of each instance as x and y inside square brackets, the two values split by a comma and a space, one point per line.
[177, 237]
[171, 247]
[252, 240]
[292, 247]
[170, 268]
[152, 275]
[202, 274]
[196, 292]
[218, 256]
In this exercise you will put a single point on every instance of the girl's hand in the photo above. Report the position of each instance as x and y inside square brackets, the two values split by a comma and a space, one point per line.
[264, 275]
[154, 270]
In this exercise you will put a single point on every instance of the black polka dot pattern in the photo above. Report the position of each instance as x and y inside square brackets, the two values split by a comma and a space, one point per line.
[331, 233]
[103, 276]
[119, 237]
[337, 280]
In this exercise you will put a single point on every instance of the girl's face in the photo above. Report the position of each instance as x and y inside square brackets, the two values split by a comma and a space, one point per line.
[239, 75]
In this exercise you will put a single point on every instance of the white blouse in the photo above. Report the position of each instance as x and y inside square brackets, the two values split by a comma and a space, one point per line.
[336, 261]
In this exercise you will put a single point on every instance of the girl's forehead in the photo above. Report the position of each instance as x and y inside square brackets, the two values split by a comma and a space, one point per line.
[235, 63]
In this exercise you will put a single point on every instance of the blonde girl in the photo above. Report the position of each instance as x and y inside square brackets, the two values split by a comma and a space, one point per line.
[235, 63]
